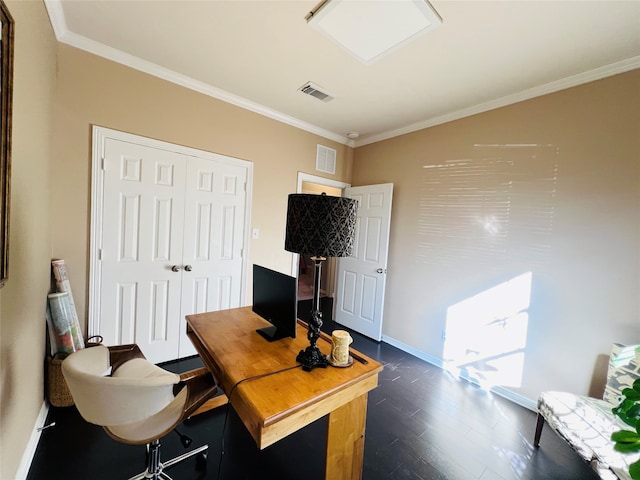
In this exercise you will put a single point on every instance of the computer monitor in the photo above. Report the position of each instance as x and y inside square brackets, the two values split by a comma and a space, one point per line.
[275, 298]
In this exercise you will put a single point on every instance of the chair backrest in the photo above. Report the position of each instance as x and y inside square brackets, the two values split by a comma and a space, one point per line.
[624, 369]
[135, 391]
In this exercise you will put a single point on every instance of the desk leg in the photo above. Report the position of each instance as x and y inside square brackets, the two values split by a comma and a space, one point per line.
[345, 440]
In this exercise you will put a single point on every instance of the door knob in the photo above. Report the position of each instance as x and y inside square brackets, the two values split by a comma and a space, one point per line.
[380, 270]
[187, 268]
[175, 268]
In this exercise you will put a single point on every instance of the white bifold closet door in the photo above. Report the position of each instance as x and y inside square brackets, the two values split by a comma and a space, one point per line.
[172, 239]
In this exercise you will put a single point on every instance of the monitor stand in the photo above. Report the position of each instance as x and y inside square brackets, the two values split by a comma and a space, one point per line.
[270, 333]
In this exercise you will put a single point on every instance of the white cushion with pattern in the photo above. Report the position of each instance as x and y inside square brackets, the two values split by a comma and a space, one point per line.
[587, 423]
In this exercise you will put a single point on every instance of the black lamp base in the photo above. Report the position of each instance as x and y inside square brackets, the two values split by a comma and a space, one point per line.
[311, 358]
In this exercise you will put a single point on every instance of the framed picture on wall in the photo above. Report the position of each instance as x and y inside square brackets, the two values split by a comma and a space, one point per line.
[6, 98]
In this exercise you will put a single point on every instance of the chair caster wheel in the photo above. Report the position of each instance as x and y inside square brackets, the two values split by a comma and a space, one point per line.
[201, 462]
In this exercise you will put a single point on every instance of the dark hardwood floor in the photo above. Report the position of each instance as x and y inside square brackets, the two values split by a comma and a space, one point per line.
[421, 424]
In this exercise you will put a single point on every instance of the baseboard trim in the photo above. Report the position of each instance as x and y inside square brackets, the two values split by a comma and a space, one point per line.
[32, 445]
[510, 395]
[521, 400]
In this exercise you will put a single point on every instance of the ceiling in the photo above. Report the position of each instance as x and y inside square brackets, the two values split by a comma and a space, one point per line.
[257, 55]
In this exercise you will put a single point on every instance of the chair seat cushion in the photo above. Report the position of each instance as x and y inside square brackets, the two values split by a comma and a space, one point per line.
[140, 368]
[586, 424]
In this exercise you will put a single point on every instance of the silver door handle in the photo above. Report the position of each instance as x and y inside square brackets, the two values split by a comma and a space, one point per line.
[381, 270]
[175, 268]
[187, 268]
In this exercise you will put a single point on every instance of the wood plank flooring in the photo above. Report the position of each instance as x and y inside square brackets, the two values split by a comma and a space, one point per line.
[421, 424]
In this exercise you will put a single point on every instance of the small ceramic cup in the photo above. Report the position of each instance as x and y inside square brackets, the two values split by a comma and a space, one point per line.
[340, 341]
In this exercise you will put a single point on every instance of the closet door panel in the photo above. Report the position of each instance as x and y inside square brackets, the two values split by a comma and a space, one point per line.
[142, 240]
[215, 203]
[167, 239]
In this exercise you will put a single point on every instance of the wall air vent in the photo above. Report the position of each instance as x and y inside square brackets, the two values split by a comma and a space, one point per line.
[326, 159]
[315, 91]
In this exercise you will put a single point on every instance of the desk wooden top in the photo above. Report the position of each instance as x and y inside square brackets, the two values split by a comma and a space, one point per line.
[273, 406]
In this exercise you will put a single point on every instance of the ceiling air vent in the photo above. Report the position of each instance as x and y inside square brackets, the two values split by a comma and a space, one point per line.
[315, 91]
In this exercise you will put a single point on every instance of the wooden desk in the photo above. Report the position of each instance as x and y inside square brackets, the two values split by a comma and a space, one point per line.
[272, 407]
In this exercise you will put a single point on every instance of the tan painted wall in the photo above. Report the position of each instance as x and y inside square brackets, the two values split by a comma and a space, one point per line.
[585, 292]
[579, 235]
[94, 91]
[23, 299]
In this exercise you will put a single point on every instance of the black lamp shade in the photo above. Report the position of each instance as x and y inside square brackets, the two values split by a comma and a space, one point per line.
[320, 225]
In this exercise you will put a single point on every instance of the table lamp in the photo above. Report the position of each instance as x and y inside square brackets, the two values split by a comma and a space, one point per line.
[320, 226]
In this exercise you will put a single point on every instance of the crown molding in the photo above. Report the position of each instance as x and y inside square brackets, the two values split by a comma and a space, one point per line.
[63, 35]
[551, 87]
[56, 17]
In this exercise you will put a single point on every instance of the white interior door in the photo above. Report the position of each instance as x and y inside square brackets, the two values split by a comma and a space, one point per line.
[362, 276]
[142, 240]
[213, 240]
[167, 240]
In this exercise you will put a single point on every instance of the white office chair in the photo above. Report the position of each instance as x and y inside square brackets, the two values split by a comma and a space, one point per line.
[135, 401]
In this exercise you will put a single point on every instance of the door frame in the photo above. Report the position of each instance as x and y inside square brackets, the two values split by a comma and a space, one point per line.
[99, 138]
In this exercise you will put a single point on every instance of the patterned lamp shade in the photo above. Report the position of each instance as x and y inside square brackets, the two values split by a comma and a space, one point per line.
[320, 225]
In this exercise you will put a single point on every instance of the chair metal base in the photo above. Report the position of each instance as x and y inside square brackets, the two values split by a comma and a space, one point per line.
[155, 468]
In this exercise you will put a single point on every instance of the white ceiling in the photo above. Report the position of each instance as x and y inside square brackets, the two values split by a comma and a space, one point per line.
[257, 54]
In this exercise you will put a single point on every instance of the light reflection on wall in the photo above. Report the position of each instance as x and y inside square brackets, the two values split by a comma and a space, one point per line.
[489, 210]
[485, 335]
